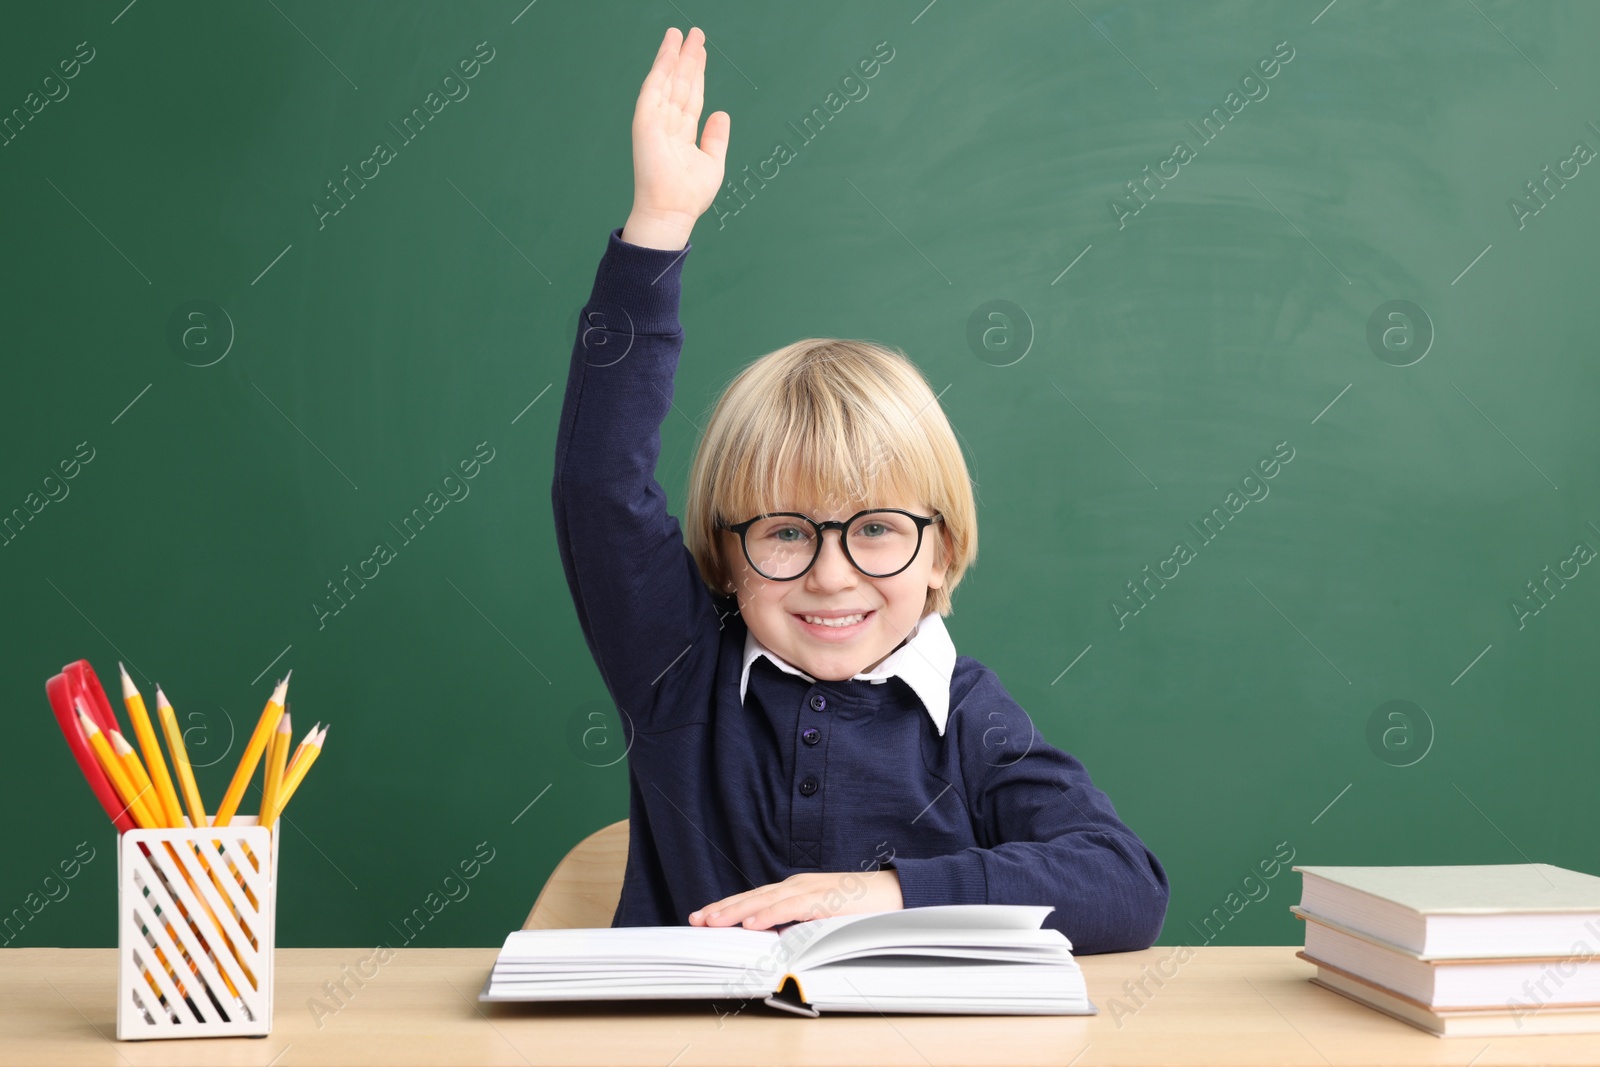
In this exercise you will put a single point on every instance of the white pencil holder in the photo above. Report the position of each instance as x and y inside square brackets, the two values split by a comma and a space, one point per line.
[196, 911]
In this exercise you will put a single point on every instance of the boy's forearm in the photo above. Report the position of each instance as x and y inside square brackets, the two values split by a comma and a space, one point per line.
[1105, 901]
[669, 232]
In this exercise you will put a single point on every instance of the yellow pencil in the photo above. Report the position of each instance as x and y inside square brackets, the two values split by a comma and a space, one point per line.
[252, 754]
[305, 742]
[117, 771]
[141, 781]
[151, 748]
[191, 790]
[277, 758]
[311, 747]
[180, 760]
[299, 753]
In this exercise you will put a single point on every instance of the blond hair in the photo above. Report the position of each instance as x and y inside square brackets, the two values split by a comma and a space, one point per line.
[830, 423]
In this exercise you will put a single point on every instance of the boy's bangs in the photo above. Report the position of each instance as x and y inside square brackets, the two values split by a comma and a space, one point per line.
[815, 473]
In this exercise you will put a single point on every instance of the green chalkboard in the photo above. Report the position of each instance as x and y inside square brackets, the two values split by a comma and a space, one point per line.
[1268, 330]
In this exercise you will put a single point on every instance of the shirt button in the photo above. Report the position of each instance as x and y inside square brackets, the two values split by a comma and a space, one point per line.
[819, 702]
[808, 786]
[811, 737]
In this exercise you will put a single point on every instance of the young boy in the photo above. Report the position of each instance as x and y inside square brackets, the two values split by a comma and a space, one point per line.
[805, 741]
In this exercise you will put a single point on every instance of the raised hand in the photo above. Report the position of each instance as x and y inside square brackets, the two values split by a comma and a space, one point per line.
[674, 180]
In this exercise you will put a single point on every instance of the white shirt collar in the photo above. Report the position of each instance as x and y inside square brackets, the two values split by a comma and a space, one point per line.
[926, 662]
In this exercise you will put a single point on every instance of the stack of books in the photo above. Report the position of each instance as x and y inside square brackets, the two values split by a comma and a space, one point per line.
[954, 959]
[1459, 950]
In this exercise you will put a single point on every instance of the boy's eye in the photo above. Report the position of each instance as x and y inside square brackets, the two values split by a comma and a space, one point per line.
[873, 529]
[780, 531]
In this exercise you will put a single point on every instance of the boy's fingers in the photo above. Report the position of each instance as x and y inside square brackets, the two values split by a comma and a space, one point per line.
[661, 69]
[799, 908]
[719, 905]
[696, 63]
[786, 908]
[739, 907]
[683, 71]
[667, 54]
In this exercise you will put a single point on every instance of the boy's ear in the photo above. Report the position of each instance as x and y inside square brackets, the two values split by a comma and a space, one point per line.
[941, 559]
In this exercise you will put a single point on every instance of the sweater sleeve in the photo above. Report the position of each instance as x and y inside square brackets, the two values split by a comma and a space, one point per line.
[1049, 837]
[643, 607]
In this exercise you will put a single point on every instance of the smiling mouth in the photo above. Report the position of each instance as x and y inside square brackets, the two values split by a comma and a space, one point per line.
[841, 626]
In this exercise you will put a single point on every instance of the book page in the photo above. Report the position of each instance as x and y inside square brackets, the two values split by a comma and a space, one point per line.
[799, 944]
[723, 946]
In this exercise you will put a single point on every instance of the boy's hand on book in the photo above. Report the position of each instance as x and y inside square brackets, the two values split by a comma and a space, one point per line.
[801, 897]
[674, 180]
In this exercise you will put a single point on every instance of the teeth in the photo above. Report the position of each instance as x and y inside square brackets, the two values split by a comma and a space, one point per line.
[848, 620]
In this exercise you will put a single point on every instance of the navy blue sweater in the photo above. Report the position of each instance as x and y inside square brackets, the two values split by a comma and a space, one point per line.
[987, 813]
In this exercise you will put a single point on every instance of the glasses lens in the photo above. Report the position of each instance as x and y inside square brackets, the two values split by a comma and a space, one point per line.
[780, 546]
[881, 543]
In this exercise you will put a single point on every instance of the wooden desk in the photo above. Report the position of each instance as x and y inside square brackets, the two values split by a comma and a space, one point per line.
[1223, 1006]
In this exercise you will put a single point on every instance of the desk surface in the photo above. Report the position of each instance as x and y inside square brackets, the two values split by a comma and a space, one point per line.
[1223, 1006]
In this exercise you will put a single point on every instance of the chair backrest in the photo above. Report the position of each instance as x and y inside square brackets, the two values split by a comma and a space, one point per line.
[586, 885]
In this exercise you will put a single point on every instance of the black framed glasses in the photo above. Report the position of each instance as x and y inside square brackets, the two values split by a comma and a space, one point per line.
[878, 542]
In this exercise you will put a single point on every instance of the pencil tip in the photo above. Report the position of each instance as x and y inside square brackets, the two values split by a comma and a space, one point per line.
[128, 689]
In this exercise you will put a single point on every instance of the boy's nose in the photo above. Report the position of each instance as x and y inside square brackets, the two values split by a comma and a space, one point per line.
[832, 568]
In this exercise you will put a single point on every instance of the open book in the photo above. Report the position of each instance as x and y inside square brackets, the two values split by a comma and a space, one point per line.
[990, 959]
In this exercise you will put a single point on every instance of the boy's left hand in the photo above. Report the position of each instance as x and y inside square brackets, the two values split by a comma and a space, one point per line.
[801, 897]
